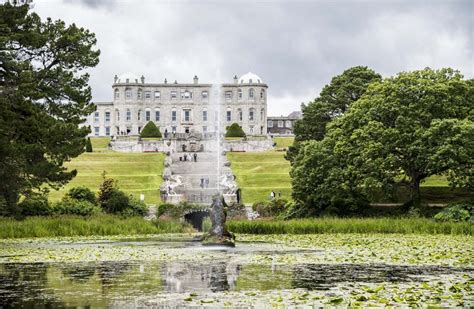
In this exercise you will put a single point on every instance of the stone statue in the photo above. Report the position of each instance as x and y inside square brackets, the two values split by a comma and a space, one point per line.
[218, 235]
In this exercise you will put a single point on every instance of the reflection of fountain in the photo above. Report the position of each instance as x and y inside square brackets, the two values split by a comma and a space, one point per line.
[218, 235]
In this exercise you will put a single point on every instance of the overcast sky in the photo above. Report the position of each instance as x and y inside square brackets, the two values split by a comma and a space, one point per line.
[296, 47]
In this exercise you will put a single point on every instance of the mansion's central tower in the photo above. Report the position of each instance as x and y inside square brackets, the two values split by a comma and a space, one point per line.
[181, 108]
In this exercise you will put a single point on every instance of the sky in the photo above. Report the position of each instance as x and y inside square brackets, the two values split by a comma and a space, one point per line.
[296, 47]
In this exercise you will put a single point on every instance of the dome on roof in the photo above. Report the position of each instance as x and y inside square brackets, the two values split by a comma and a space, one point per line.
[128, 78]
[250, 78]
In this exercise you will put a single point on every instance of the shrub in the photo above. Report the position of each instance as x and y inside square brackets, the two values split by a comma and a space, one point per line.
[235, 211]
[206, 225]
[88, 145]
[135, 208]
[82, 193]
[117, 202]
[456, 212]
[271, 208]
[35, 205]
[107, 187]
[164, 209]
[70, 206]
[234, 130]
[150, 130]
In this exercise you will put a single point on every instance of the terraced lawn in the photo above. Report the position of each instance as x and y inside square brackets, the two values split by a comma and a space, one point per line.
[260, 173]
[136, 173]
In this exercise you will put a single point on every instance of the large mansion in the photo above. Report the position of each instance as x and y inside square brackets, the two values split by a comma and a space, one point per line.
[181, 108]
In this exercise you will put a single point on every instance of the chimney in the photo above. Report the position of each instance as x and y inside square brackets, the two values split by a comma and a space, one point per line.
[236, 79]
[115, 79]
[196, 79]
[166, 81]
[175, 82]
[143, 79]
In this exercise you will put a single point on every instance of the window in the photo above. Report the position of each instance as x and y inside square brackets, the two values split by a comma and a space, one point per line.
[139, 94]
[187, 115]
[129, 115]
[173, 94]
[157, 95]
[250, 80]
[173, 115]
[239, 94]
[262, 114]
[147, 115]
[107, 131]
[173, 129]
[148, 95]
[288, 124]
[251, 114]
[262, 93]
[139, 115]
[228, 95]
[270, 124]
[96, 131]
[117, 114]
[204, 115]
[204, 94]
[96, 117]
[139, 130]
[204, 129]
[251, 93]
[251, 129]
[157, 115]
[186, 94]
[128, 93]
[117, 94]
[280, 123]
[241, 115]
[107, 116]
[229, 116]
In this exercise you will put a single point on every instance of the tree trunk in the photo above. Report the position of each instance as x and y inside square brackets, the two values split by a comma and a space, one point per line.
[415, 193]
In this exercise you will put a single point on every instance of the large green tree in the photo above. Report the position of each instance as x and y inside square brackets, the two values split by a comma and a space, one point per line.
[333, 101]
[44, 99]
[401, 131]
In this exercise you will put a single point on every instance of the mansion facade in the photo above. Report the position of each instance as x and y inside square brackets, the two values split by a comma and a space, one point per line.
[181, 108]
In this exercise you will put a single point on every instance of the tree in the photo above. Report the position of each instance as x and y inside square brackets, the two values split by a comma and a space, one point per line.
[150, 130]
[333, 101]
[88, 145]
[401, 131]
[44, 99]
[234, 130]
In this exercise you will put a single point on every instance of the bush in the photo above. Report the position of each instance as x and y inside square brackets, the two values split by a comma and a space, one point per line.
[457, 212]
[150, 130]
[117, 202]
[136, 208]
[35, 205]
[70, 206]
[273, 208]
[107, 187]
[164, 209]
[235, 211]
[82, 193]
[88, 145]
[234, 130]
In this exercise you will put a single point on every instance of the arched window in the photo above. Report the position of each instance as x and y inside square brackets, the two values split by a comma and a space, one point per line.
[128, 93]
[139, 94]
[117, 94]
[251, 114]
[241, 114]
[129, 114]
[262, 114]
[251, 93]
[262, 94]
[139, 115]
[117, 115]
[228, 115]
[239, 94]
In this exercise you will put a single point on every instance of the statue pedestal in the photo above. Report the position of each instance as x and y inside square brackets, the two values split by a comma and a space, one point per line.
[230, 198]
[174, 199]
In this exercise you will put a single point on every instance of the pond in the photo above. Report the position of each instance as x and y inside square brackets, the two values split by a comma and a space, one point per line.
[176, 271]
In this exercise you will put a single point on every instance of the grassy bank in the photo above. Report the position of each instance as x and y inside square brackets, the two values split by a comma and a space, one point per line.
[351, 225]
[105, 225]
[136, 173]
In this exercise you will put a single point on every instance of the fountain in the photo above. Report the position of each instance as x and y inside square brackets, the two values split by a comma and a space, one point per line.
[218, 235]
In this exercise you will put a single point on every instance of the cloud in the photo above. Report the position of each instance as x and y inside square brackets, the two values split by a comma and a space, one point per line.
[295, 47]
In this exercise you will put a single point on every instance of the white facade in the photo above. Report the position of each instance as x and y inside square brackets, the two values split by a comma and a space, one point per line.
[180, 108]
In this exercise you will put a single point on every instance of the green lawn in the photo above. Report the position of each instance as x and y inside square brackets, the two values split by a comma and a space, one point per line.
[100, 144]
[136, 172]
[260, 173]
[283, 142]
